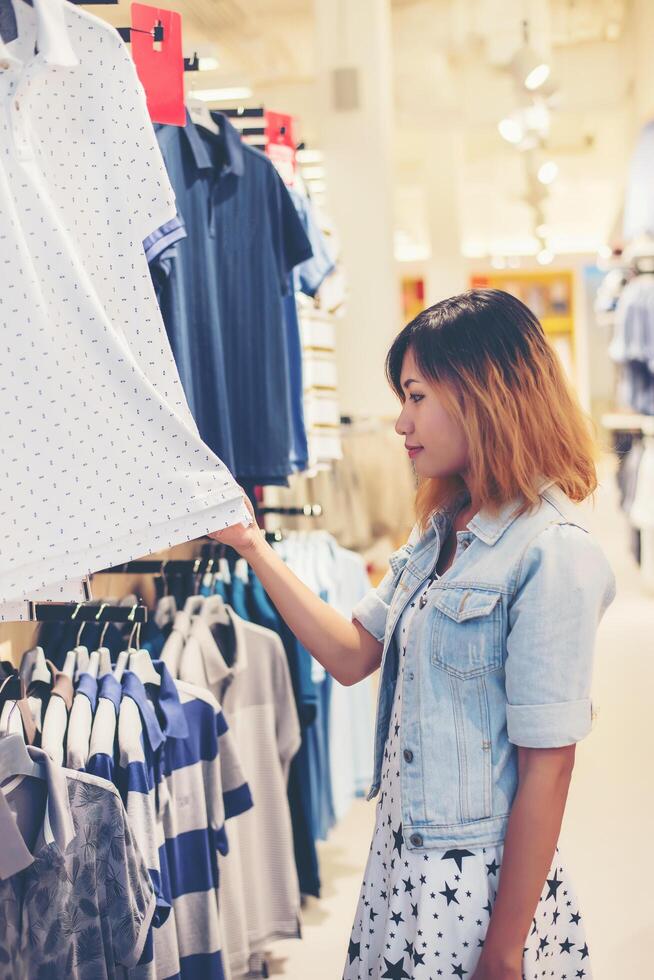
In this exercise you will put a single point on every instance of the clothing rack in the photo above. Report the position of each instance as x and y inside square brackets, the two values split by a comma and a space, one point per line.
[307, 510]
[253, 135]
[172, 566]
[68, 612]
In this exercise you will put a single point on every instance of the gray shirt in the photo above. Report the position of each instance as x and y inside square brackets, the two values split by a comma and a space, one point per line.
[75, 897]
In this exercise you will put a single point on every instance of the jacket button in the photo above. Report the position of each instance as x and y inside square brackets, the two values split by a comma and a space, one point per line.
[416, 840]
[408, 755]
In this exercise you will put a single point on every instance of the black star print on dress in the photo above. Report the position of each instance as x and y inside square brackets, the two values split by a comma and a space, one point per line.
[423, 914]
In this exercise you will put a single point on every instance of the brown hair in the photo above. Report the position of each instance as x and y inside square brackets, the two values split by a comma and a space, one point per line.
[503, 381]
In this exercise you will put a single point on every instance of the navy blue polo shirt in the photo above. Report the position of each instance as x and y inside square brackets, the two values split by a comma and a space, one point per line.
[221, 295]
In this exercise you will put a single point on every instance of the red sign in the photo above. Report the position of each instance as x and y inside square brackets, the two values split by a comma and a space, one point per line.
[159, 64]
[280, 144]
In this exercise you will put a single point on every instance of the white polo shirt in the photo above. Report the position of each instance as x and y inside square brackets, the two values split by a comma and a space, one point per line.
[100, 459]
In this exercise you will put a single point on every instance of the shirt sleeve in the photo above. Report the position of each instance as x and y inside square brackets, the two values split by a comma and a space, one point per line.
[290, 240]
[236, 795]
[287, 723]
[566, 584]
[130, 900]
[140, 181]
[311, 274]
[372, 610]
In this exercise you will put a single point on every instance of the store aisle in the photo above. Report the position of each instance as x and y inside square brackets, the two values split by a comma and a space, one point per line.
[607, 830]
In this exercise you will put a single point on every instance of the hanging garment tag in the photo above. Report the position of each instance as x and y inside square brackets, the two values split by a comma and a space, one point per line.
[280, 145]
[160, 64]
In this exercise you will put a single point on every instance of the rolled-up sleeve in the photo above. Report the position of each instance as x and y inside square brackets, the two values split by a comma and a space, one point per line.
[372, 610]
[565, 586]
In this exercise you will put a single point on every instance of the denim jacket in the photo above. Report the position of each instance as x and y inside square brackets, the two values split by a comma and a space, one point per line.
[503, 657]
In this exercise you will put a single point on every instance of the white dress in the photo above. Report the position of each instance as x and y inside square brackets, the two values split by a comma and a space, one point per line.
[424, 914]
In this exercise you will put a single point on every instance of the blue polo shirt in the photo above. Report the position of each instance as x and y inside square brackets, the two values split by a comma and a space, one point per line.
[222, 293]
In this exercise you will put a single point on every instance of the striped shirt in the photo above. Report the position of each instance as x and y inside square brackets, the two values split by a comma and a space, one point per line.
[182, 780]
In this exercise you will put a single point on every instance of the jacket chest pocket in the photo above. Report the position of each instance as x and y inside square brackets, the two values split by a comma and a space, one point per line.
[466, 637]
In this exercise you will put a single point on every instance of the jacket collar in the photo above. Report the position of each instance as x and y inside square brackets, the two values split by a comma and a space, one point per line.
[52, 38]
[487, 525]
[228, 138]
[490, 527]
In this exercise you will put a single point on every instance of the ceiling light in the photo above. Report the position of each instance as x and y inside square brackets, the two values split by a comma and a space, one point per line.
[236, 94]
[511, 129]
[208, 63]
[545, 257]
[548, 172]
[537, 77]
[529, 70]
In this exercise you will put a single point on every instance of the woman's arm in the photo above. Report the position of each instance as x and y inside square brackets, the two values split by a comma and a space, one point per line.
[531, 839]
[345, 649]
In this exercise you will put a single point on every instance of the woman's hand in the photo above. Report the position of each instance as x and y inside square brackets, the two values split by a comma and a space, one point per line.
[499, 967]
[243, 539]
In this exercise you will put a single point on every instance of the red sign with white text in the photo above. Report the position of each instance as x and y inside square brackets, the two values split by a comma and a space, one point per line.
[160, 65]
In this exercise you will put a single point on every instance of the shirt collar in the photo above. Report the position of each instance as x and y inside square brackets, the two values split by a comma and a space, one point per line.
[216, 669]
[134, 688]
[88, 686]
[52, 36]
[58, 826]
[229, 138]
[175, 724]
[109, 688]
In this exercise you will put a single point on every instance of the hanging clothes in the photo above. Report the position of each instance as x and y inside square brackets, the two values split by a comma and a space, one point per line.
[77, 900]
[245, 667]
[221, 294]
[104, 409]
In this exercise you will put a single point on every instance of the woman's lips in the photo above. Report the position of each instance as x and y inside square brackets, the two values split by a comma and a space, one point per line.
[413, 451]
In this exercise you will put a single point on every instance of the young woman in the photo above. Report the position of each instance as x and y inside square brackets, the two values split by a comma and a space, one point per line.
[484, 628]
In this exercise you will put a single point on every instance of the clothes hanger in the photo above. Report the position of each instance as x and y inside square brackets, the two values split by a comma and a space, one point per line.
[94, 664]
[15, 760]
[40, 670]
[70, 664]
[193, 605]
[140, 661]
[223, 564]
[123, 657]
[214, 609]
[201, 115]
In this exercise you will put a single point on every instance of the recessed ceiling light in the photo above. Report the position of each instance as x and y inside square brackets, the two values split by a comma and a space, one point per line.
[511, 129]
[548, 172]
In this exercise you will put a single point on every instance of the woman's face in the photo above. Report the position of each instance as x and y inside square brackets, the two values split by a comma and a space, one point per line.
[435, 441]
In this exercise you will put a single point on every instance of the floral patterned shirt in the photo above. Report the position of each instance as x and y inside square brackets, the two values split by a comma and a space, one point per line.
[81, 906]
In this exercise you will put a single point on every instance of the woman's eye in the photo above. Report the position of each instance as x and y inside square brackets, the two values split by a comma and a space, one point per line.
[416, 398]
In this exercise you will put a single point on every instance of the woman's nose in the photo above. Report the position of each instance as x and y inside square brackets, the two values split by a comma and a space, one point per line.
[403, 426]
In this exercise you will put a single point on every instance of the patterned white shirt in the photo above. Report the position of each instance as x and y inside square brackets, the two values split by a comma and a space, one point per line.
[89, 392]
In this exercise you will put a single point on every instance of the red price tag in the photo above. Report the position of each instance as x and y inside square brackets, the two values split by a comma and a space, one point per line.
[160, 65]
[280, 144]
